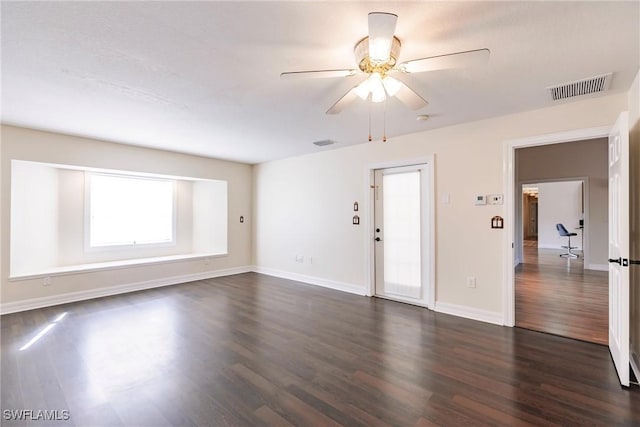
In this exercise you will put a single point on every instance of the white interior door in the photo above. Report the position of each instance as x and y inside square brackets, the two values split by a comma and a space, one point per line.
[619, 247]
[401, 233]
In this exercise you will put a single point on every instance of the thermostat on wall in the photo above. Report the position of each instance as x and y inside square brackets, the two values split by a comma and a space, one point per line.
[481, 200]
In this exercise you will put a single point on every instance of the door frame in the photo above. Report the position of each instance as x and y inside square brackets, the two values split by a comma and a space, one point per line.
[519, 235]
[368, 222]
[510, 146]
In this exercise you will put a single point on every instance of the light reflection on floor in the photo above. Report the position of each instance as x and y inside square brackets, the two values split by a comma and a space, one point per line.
[43, 331]
[121, 352]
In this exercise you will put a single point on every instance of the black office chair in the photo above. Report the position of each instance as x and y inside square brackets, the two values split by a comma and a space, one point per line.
[565, 233]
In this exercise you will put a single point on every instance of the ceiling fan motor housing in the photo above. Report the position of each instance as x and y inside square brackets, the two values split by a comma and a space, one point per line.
[368, 66]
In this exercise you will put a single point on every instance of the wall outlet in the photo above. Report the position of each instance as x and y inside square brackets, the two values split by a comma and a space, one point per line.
[46, 281]
[299, 258]
[471, 282]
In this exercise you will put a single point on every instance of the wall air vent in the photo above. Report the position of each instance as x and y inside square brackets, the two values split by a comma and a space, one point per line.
[580, 87]
[324, 142]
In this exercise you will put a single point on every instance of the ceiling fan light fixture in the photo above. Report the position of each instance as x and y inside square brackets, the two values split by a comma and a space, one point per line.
[378, 93]
[378, 96]
[379, 50]
[382, 26]
[373, 85]
[366, 59]
[377, 55]
[391, 85]
[363, 90]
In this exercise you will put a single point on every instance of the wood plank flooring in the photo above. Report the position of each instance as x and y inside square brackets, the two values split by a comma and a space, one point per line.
[252, 350]
[556, 295]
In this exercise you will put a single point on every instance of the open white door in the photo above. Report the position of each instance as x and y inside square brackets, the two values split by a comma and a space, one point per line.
[619, 246]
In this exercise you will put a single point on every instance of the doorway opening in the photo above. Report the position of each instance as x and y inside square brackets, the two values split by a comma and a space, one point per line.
[555, 292]
[566, 296]
[553, 215]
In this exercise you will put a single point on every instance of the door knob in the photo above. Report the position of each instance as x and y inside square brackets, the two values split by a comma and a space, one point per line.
[617, 261]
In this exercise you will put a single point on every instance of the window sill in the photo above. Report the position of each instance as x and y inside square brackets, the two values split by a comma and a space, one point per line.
[111, 265]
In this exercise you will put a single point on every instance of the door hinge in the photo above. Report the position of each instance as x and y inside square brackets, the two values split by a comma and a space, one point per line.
[375, 189]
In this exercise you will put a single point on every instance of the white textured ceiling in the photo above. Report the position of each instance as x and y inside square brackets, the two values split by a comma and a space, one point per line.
[203, 77]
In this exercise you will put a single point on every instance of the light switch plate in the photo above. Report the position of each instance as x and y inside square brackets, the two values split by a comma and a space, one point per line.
[480, 200]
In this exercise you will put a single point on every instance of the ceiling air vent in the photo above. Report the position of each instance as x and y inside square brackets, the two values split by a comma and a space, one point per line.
[324, 142]
[580, 87]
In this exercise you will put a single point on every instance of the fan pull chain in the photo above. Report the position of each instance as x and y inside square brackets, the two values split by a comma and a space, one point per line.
[384, 122]
[370, 122]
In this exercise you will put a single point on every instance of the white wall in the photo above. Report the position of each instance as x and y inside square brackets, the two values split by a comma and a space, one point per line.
[303, 204]
[209, 216]
[34, 207]
[559, 203]
[46, 147]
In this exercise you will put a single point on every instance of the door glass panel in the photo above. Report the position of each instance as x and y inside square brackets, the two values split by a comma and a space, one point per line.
[401, 213]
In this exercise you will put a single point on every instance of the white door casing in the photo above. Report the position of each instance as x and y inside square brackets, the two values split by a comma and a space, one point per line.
[619, 246]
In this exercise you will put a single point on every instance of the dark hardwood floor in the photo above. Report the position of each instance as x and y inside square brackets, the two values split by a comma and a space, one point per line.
[255, 350]
[556, 295]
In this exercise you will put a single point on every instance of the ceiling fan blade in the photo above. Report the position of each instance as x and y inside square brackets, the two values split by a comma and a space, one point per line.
[322, 74]
[343, 102]
[442, 62]
[410, 98]
[382, 26]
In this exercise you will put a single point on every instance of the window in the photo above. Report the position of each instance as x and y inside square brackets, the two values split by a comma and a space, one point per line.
[129, 210]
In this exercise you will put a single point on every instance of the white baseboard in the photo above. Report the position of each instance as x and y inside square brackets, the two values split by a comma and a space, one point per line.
[599, 267]
[30, 304]
[547, 246]
[456, 310]
[33, 303]
[311, 280]
[470, 313]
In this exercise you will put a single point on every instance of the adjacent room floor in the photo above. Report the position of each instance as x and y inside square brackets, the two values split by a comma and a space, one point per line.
[256, 350]
[556, 295]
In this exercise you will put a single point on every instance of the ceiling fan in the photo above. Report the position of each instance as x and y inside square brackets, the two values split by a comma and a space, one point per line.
[377, 56]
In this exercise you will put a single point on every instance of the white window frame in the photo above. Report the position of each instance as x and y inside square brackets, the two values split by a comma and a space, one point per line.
[126, 247]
